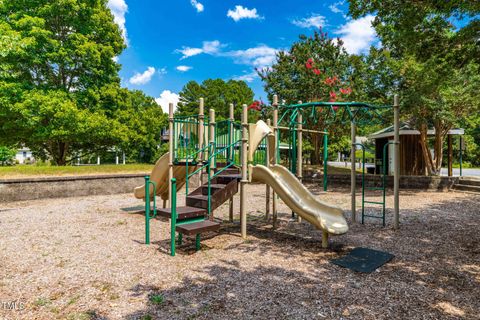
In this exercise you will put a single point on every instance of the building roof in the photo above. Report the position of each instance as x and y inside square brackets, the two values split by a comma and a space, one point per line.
[406, 129]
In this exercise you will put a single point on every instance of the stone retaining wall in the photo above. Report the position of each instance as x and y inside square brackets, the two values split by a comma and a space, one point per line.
[60, 187]
[406, 182]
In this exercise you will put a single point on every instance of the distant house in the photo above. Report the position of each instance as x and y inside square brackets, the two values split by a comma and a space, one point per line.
[411, 156]
[24, 155]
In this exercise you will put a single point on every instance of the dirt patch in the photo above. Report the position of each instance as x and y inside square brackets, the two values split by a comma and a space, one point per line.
[84, 258]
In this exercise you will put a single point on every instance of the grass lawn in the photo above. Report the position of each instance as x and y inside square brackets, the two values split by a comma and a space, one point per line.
[24, 171]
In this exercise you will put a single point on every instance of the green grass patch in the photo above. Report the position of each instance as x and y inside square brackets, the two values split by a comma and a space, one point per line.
[24, 171]
[156, 299]
[41, 302]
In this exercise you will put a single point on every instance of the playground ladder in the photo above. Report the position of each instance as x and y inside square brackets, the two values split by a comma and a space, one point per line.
[381, 188]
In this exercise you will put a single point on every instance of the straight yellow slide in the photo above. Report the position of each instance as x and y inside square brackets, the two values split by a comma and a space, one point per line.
[298, 198]
[159, 176]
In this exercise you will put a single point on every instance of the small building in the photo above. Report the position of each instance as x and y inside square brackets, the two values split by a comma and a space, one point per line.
[24, 156]
[411, 155]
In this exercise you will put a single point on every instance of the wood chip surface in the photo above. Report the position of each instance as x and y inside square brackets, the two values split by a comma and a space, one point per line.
[85, 258]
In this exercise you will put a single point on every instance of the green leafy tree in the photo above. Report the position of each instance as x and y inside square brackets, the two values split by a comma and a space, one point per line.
[56, 57]
[6, 155]
[218, 94]
[315, 68]
[436, 63]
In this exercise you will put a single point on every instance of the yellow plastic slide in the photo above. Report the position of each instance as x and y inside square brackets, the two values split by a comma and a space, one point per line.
[159, 176]
[295, 195]
[298, 198]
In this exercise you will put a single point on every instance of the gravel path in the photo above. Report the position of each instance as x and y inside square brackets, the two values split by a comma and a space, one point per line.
[84, 258]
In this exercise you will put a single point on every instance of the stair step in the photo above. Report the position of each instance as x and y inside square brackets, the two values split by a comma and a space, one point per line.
[469, 181]
[465, 187]
[183, 213]
[215, 187]
[229, 176]
[198, 227]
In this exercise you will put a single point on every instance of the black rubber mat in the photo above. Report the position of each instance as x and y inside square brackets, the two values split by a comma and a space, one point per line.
[363, 260]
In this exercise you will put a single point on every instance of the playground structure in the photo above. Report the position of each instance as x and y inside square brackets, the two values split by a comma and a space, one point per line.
[228, 155]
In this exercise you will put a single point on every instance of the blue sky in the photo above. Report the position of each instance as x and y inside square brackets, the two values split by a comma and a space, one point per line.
[173, 42]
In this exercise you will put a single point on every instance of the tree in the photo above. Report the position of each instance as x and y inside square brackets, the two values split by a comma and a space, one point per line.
[437, 63]
[315, 68]
[218, 94]
[56, 57]
[143, 120]
[6, 155]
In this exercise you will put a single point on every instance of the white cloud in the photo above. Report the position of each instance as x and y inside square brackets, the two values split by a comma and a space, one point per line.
[243, 13]
[315, 21]
[143, 78]
[197, 5]
[358, 35]
[247, 77]
[119, 8]
[167, 97]
[209, 47]
[260, 56]
[334, 7]
[183, 68]
[162, 71]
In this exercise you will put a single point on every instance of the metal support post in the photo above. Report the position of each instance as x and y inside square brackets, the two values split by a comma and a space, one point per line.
[353, 174]
[275, 160]
[201, 136]
[396, 163]
[243, 182]
[231, 154]
[325, 161]
[171, 143]
[267, 187]
[299, 151]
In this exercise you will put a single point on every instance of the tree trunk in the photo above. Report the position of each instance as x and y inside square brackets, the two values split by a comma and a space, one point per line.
[315, 157]
[441, 130]
[427, 156]
[58, 151]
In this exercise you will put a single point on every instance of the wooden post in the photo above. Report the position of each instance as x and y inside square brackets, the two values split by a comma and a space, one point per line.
[299, 151]
[396, 162]
[232, 154]
[353, 174]
[171, 142]
[201, 143]
[450, 155]
[243, 182]
[267, 187]
[275, 158]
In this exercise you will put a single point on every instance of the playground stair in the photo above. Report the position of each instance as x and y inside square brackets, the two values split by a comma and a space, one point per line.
[193, 218]
[468, 184]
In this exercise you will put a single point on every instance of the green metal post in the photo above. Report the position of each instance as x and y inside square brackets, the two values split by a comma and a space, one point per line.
[384, 183]
[147, 209]
[173, 218]
[325, 160]
[197, 242]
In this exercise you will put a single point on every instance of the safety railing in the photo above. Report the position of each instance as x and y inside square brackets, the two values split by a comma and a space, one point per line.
[207, 149]
[185, 136]
[148, 210]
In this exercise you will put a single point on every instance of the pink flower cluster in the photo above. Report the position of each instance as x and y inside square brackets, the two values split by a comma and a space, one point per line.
[310, 64]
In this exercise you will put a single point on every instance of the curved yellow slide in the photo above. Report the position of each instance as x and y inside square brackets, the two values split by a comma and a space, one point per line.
[159, 176]
[298, 198]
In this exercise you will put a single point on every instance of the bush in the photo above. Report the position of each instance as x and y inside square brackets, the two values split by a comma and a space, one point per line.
[7, 155]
